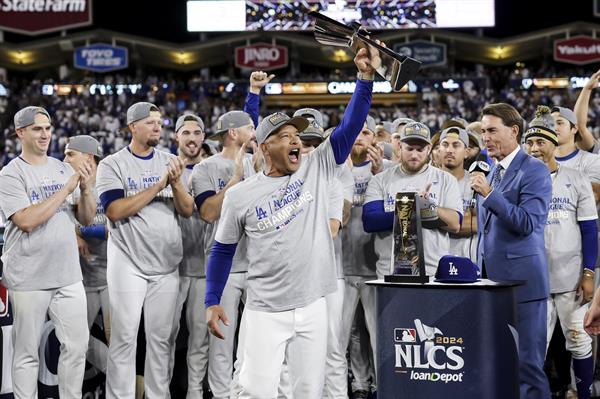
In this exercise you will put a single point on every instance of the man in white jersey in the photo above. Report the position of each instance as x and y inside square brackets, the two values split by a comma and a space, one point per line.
[283, 214]
[567, 153]
[571, 248]
[454, 142]
[340, 197]
[142, 193]
[91, 242]
[40, 260]
[359, 257]
[441, 200]
[189, 130]
[210, 181]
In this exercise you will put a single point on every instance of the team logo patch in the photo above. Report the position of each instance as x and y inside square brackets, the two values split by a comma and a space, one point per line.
[278, 118]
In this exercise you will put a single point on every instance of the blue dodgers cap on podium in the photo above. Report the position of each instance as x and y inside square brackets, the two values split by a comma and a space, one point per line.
[456, 269]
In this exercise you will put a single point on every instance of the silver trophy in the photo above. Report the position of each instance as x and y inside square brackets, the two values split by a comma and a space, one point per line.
[393, 67]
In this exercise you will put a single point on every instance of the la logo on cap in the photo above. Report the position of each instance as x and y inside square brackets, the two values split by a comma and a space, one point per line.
[452, 270]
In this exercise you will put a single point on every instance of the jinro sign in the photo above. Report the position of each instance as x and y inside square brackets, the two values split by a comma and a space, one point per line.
[261, 56]
[34, 17]
[101, 57]
[577, 50]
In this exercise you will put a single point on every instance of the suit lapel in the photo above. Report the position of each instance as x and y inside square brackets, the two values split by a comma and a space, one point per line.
[508, 177]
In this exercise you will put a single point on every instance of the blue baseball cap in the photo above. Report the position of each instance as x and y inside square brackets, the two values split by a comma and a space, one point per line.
[456, 269]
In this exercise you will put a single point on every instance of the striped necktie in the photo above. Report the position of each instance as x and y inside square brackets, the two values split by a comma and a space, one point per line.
[497, 176]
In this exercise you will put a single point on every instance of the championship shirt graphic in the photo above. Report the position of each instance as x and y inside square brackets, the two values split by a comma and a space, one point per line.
[425, 353]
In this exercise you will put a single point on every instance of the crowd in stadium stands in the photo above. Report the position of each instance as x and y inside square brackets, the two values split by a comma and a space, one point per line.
[102, 115]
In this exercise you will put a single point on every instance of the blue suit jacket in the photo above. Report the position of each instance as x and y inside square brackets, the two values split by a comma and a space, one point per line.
[511, 223]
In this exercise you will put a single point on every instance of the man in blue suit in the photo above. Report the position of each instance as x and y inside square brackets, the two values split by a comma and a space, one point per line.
[512, 211]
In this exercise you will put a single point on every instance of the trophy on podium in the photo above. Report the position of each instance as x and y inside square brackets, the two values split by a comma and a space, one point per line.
[393, 67]
[408, 263]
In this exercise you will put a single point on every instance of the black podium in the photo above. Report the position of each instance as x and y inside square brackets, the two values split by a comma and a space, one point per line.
[452, 341]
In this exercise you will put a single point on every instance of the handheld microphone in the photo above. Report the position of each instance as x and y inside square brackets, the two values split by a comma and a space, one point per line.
[480, 166]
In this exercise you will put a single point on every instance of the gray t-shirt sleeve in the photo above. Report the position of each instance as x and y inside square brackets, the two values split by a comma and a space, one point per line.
[231, 223]
[375, 191]
[107, 177]
[13, 195]
[324, 156]
[347, 180]
[336, 201]
[586, 204]
[451, 197]
[201, 180]
[593, 169]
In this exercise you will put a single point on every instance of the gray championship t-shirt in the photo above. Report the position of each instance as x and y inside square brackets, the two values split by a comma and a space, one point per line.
[572, 202]
[358, 246]
[444, 192]
[47, 257]
[151, 239]
[213, 174]
[286, 224]
[465, 246]
[193, 235]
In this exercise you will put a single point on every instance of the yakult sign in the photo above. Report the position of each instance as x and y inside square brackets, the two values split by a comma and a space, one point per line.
[34, 17]
[577, 50]
[261, 56]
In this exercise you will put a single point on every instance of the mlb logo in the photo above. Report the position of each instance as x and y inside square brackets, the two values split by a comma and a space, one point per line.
[405, 335]
[3, 300]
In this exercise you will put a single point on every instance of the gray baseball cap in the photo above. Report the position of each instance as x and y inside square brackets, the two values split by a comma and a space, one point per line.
[139, 111]
[186, 118]
[232, 120]
[388, 126]
[274, 122]
[371, 125]
[311, 113]
[26, 116]
[566, 113]
[400, 122]
[457, 132]
[313, 131]
[416, 131]
[86, 144]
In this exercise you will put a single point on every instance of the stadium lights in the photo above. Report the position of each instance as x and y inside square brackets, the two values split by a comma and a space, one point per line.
[21, 57]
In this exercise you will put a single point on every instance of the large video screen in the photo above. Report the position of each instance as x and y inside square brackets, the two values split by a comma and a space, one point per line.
[246, 15]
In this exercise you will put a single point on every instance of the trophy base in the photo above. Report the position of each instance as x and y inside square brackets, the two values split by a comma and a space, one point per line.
[398, 278]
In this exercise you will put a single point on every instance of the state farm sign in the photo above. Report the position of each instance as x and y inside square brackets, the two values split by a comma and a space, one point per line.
[262, 56]
[577, 50]
[33, 17]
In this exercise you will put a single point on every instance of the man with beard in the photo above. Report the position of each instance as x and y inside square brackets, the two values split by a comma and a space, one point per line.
[40, 260]
[453, 146]
[571, 248]
[440, 194]
[211, 180]
[142, 194]
[283, 214]
[189, 130]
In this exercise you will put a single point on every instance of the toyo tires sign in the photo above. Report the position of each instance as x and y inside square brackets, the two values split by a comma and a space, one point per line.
[34, 17]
